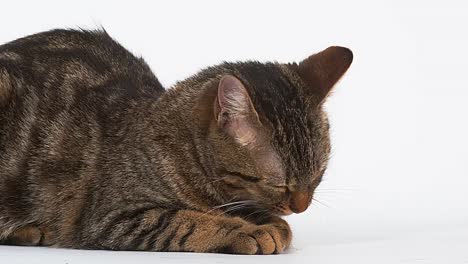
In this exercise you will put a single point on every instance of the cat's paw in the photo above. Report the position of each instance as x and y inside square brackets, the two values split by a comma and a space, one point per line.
[259, 240]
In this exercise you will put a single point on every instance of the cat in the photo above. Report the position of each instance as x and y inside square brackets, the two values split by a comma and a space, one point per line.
[96, 154]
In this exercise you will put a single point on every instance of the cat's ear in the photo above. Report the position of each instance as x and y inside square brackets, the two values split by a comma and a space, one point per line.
[234, 111]
[322, 71]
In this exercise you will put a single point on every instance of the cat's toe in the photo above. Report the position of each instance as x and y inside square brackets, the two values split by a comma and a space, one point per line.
[253, 241]
[243, 243]
[265, 241]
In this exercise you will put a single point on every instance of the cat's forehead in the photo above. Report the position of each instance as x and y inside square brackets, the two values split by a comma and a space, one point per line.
[279, 99]
[275, 92]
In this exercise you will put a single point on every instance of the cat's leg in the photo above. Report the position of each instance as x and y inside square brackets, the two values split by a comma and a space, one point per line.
[24, 236]
[29, 235]
[184, 230]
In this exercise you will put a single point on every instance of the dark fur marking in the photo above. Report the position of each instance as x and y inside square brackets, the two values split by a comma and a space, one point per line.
[132, 216]
[163, 222]
[184, 238]
[167, 241]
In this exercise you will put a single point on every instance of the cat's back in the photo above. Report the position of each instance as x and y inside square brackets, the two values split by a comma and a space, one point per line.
[65, 60]
[60, 91]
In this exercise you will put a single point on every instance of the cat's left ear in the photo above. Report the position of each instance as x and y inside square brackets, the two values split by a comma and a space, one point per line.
[321, 71]
[234, 111]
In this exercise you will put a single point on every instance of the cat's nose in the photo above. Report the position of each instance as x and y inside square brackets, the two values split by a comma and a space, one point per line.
[299, 201]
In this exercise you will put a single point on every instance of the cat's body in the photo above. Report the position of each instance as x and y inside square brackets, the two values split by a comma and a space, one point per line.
[94, 153]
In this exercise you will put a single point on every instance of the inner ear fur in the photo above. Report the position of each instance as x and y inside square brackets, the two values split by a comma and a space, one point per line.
[234, 111]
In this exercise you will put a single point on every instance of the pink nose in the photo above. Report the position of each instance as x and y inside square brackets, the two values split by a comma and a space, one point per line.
[299, 201]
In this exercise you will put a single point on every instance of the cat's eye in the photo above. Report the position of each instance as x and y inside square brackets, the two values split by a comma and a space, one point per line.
[241, 176]
[280, 188]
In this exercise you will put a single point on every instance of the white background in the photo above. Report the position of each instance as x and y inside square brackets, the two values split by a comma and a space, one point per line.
[396, 188]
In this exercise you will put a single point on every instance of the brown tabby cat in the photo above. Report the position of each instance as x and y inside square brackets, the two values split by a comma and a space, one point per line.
[95, 154]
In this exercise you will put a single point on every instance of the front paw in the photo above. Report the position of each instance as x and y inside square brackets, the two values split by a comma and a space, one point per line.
[261, 240]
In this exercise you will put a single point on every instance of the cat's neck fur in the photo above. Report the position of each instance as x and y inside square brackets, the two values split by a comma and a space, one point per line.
[179, 129]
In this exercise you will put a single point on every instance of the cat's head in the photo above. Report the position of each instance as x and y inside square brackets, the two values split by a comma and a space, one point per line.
[268, 132]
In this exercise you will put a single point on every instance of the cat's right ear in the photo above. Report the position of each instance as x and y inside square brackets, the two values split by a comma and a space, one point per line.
[234, 111]
[322, 70]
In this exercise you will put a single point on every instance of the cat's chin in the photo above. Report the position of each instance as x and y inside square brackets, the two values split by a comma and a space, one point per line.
[283, 211]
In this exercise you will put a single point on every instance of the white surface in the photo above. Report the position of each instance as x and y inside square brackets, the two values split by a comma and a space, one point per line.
[396, 188]
[417, 247]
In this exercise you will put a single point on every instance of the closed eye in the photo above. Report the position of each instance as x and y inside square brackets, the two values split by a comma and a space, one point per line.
[242, 176]
[280, 188]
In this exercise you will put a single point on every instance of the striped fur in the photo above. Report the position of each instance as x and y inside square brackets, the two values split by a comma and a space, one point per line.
[95, 154]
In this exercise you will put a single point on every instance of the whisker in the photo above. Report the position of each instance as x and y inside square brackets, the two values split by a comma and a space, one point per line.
[261, 211]
[336, 195]
[231, 203]
[322, 203]
[237, 207]
[223, 205]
